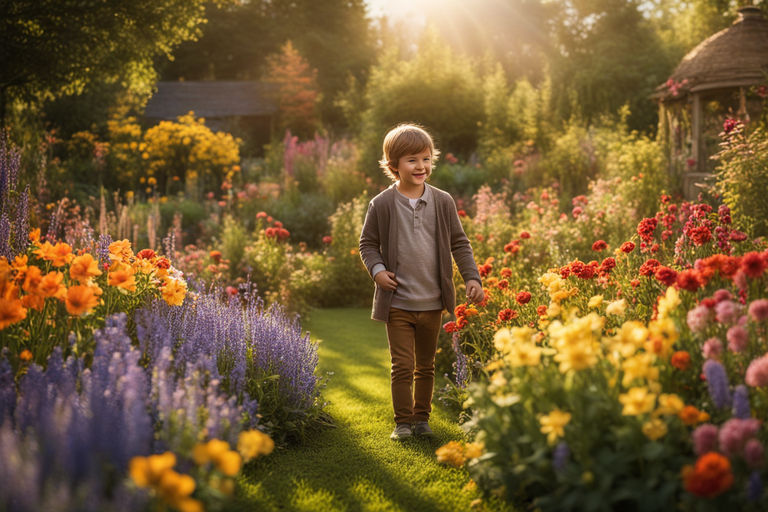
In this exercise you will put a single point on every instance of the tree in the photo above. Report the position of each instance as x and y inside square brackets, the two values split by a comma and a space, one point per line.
[50, 48]
[296, 90]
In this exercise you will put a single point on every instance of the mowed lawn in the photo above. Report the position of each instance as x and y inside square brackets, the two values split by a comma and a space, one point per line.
[355, 466]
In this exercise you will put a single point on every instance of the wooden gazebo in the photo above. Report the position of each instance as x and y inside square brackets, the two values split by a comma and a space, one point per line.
[724, 76]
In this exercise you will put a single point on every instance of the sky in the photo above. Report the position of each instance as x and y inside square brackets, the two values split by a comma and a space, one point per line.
[400, 8]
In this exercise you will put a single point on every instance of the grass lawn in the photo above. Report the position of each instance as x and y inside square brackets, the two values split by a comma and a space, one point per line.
[355, 466]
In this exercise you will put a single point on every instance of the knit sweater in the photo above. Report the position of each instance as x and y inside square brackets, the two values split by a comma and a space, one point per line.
[379, 244]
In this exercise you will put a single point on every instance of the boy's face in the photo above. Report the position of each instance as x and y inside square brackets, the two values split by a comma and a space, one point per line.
[414, 170]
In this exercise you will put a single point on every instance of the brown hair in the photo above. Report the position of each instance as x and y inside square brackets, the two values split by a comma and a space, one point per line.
[402, 140]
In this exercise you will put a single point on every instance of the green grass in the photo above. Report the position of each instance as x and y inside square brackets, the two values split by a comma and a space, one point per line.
[355, 466]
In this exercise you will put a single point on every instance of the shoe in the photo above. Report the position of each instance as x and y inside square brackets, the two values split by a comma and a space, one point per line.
[402, 431]
[422, 429]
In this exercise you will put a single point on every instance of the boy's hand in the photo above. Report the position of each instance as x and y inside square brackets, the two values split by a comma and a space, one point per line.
[386, 280]
[474, 291]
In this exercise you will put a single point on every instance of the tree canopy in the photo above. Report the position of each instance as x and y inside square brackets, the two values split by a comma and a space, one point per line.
[53, 47]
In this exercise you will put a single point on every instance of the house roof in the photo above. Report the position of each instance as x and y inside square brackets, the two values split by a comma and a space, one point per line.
[735, 56]
[211, 99]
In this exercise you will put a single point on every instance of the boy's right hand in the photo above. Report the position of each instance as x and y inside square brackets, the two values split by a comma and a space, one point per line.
[386, 280]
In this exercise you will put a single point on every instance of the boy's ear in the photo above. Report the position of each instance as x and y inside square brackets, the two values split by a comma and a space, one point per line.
[392, 168]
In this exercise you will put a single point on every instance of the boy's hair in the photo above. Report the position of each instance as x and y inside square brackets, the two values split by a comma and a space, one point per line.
[402, 140]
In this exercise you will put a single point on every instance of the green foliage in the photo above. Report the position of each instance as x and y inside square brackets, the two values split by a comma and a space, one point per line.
[741, 175]
[232, 244]
[435, 88]
[571, 162]
[56, 47]
[304, 215]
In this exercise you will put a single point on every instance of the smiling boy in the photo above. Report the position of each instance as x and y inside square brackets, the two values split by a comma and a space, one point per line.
[410, 235]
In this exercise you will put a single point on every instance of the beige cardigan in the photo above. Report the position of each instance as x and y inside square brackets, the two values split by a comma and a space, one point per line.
[378, 244]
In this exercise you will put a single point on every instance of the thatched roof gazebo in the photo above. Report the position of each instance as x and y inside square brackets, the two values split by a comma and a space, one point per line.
[724, 76]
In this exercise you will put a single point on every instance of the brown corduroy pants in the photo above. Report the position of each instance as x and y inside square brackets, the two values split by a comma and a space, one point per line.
[412, 337]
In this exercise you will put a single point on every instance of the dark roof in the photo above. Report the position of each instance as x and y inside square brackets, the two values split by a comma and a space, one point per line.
[210, 99]
[735, 56]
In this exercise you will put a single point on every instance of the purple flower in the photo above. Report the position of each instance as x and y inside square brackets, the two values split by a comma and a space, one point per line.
[735, 433]
[754, 487]
[560, 456]
[741, 407]
[460, 365]
[717, 382]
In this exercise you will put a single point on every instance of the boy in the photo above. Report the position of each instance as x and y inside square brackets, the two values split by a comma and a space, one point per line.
[410, 232]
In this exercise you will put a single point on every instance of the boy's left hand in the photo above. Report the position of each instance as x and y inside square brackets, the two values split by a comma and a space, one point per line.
[474, 291]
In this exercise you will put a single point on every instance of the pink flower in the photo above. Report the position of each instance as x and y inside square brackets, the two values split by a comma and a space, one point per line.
[758, 310]
[712, 348]
[722, 294]
[698, 318]
[727, 312]
[735, 433]
[738, 338]
[757, 372]
[705, 439]
[577, 211]
[753, 453]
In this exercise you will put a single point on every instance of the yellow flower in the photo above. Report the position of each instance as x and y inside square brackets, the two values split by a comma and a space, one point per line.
[553, 424]
[654, 429]
[669, 404]
[639, 366]
[82, 299]
[617, 307]
[146, 471]
[174, 291]
[174, 487]
[663, 334]
[637, 401]
[524, 354]
[452, 454]
[83, 268]
[253, 443]
[473, 450]
[669, 302]
[120, 250]
[595, 302]
[229, 462]
[502, 340]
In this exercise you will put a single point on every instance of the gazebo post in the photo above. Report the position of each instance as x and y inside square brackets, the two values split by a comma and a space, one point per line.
[695, 171]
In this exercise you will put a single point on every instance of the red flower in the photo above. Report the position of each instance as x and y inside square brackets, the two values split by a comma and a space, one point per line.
[485, 269]
[450, 327]
[461, 322]
[462, 213]
[460, 310]
[577, 267]
[666, 275]
[681, 360]
[523, 297]
[506, 272]
[635, 283]
[231, 290]
[753, 264]
[647, 268]
[709, 302]
[327, 239]
[261, 215]
[146, 254]
[627, 247]
[709, 477]
[507, 314]
[646, 228]
[730, 124]
[512, 247]
[502, 284]
[599, 245]
[689, 280]
[525, 235]
[607, 265]
[541, 310]
[700, 235]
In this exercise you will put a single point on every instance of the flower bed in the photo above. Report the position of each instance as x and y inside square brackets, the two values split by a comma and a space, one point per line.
[632, 381]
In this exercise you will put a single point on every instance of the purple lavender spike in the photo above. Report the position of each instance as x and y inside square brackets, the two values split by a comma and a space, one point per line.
[717, 382]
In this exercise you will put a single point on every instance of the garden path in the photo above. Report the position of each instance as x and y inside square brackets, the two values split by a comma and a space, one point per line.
[355, 466]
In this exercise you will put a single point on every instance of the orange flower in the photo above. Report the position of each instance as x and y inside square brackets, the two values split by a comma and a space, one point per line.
[174, 291]
[681, 360]
[33, 301]
[84, 268]
[34, 236]
[32, 280]
[82, 299]
[25, 355]
[51, 285]
[11, 309]
[122, 277]
[61, 254]
[121, 250]
[690, 415]
[709, 477]
[20, 263]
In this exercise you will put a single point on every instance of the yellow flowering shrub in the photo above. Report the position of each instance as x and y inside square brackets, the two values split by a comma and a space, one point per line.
[189, 152]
